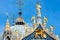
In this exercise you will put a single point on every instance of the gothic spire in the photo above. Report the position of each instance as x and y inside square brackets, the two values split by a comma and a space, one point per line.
[7, 24]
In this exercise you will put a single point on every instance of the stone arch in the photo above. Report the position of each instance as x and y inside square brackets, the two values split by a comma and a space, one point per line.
[8, 38]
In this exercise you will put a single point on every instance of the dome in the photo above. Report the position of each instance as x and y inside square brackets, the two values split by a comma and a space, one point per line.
[20, 20]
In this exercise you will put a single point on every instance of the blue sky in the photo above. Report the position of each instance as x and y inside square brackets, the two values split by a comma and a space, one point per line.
[50, 9]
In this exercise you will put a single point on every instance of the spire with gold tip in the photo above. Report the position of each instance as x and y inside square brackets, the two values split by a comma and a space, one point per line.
[7, 24]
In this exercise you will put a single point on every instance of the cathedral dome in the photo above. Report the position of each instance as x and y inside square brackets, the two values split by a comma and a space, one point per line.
[20, 20]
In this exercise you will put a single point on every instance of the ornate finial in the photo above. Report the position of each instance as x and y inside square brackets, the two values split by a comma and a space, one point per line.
[45, 21]
[38, 7]
[33, 20]
[20, 13]
[47, 30]
[39, 20]
[7, 14]
[20, 3]
[51, 28]
[45, 18]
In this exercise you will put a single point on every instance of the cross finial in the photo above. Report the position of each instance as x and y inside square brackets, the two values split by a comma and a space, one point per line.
[38, 3]
[20, 3]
